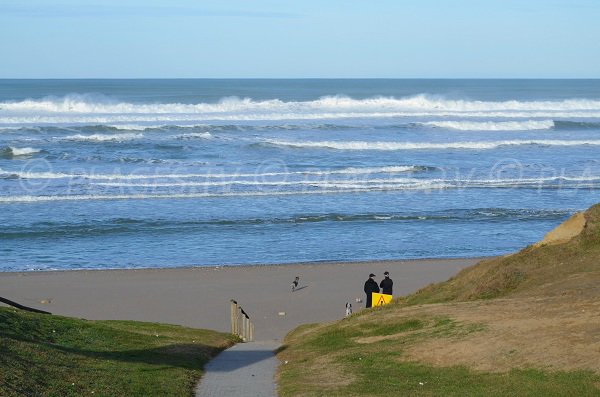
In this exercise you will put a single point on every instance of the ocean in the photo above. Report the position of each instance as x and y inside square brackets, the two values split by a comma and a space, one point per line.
[98, 174]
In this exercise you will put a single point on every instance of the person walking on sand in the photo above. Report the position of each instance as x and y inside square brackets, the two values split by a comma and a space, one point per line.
[370, 287]
[386, 284]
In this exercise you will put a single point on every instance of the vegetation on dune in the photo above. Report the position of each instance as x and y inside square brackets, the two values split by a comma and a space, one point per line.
[502, 327]
[537, 269]
[366, 356]
[44, 355]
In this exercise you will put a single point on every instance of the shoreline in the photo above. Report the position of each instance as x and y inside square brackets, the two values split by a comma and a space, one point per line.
[250, 265]
[199, 297]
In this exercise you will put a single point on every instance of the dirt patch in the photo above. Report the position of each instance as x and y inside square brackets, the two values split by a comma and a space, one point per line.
[551, 333]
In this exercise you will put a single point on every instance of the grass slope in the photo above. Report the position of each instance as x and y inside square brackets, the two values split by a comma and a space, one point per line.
[43, 355]
[543, 270]
[521, 325]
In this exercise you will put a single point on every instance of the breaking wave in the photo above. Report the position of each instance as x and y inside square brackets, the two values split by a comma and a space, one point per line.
[382, 145]
[181, 190]
[217, 174]
[493, 125]
[195, 135]
[83, 108]
[103, 137]
[10, 152]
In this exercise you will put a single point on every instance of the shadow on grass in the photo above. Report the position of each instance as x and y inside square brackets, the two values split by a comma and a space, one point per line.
[192, 356]
[189, 356]
[38, 333]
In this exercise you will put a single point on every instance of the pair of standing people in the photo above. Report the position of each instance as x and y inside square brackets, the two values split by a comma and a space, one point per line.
[371, 286]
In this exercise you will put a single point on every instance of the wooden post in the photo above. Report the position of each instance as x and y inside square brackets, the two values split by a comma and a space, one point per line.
[234, 323]
[240, 319]
[240, 322]
[244, 327]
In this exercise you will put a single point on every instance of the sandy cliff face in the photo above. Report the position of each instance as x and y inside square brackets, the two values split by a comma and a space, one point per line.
[564, 232]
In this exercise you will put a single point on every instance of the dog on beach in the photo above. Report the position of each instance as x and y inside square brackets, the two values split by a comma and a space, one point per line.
[295, 283]
[348, 309]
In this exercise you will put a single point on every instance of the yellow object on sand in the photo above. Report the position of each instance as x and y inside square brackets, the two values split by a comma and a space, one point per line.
[380, 299]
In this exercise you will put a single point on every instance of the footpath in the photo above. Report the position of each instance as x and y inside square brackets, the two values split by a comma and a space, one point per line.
[246, 369]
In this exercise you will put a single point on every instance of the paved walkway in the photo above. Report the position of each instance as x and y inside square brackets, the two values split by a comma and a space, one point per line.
[246, 369]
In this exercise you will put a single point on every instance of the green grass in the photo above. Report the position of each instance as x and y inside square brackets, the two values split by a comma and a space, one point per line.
[44, 355]
[381, 369]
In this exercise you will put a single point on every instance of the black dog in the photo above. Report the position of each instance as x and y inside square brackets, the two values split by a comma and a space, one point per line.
[295, 283]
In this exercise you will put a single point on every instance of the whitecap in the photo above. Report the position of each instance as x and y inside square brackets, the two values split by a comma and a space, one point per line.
[81, 109]
[103, 137]
[195, 135]
[10, 151]
[525, 125]
[385, 145]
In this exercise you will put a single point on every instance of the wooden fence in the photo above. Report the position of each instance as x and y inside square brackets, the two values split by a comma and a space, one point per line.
[240, 323]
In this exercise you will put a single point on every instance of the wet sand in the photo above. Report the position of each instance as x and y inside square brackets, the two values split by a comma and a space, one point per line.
[199, 296]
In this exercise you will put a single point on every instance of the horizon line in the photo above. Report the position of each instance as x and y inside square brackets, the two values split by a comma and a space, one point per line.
[300, 78]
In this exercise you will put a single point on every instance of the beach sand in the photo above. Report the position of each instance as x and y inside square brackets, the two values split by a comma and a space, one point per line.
[199, 296]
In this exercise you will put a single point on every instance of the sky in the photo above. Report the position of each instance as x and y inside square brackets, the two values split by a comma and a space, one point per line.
[300, 39]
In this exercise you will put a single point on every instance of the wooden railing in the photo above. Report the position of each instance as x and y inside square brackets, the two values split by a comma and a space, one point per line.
[240, 323]
[18, 306]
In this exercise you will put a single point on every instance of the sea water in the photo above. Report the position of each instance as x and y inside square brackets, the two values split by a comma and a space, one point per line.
[164, 173]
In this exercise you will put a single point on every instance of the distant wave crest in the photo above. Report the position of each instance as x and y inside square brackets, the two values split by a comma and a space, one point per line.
[493, 125]
[82, 108]
[384, 145]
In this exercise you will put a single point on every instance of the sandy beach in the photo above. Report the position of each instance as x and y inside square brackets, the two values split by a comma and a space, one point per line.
[199, 297]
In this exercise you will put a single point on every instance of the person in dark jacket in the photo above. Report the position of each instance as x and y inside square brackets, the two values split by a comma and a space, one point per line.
[386, 284]
[370, 287]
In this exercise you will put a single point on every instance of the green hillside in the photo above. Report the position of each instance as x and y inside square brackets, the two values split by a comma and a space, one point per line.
[45, 355]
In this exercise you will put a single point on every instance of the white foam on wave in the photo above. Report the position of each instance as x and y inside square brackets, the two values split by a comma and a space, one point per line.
[76, 108]
[214, 175]
[10, 129]
[180, 120]
[76, 103]
[103, 137]
[333, 187]
[145, 127]
[317, 183]
[25, 151]
[526, 125]
[133, 127]
[375, 183]
[32, 199]
[365, 145]
[195, 135]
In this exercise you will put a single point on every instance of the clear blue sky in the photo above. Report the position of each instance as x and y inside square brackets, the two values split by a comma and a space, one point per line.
[280, 38]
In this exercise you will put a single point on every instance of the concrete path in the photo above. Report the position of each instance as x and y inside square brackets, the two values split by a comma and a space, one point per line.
[246, 369]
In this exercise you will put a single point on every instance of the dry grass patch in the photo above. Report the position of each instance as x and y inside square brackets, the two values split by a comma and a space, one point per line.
[553, 333]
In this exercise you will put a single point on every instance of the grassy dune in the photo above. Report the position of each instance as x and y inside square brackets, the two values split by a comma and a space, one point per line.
[43, 355]
[526, 324]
